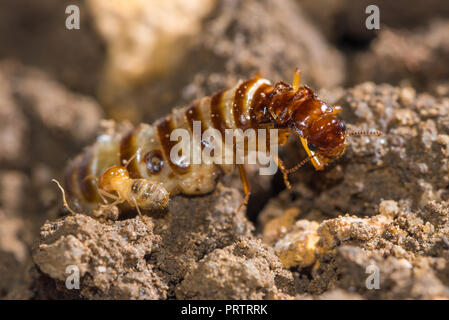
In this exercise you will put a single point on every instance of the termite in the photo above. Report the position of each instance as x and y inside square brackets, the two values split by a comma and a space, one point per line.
[150, 176]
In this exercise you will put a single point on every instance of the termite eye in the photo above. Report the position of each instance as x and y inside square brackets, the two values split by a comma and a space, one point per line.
[153, 161]
[342, 126]
[311, 146]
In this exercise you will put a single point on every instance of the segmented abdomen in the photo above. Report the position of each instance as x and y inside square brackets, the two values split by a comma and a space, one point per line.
[149, 195]
[241, 107]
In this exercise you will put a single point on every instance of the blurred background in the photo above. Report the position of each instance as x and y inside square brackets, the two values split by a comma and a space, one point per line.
[134, 60]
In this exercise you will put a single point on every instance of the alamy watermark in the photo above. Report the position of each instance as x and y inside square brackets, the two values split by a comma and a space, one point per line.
[73, 20]
[207, 147]
[373, 280]
[373, 20]
[73, 279]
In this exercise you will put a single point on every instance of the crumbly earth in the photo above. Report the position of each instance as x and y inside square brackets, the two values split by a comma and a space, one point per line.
[256, 274]
[344, 21]
[42, 125]
[381, 210]
[399, 179]
[409, 162]
[147, 257]
[408, 249]
[419, 57]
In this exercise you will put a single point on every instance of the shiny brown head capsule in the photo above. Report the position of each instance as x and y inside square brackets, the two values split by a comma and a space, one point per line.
[324, 139]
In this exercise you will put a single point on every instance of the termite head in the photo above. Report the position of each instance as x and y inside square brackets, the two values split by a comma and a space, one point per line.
[326, 141]
[326, 138]
[322, 134]
[110, 180]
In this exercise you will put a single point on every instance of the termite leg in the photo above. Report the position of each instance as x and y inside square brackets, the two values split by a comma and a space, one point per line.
[95, 178]
[102, 197]
[283, 169]
[137, 206]
[296, 79]
[118, 201]
[127, 162]
[91, 176]
[246, 188]
[103, 193]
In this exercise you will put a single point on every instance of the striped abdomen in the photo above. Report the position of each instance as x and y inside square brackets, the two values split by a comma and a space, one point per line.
[148, 194]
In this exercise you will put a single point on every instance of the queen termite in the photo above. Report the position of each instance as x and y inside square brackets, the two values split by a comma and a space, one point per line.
[150, 175]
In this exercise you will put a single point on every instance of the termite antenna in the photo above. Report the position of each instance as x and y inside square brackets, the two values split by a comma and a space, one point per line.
[127, 162]
[91, 177]
[299, 165]
[63, 197]
[365, 133]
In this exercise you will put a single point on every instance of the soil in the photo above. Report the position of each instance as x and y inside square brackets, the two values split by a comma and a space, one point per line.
[383, 206]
